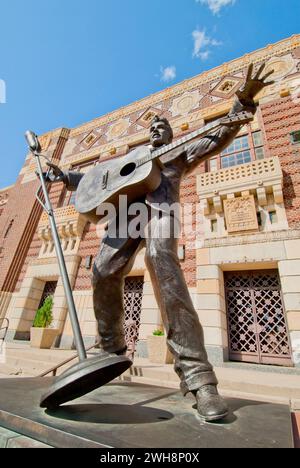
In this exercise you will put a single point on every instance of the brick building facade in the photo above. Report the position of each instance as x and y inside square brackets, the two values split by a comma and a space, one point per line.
[241, 263]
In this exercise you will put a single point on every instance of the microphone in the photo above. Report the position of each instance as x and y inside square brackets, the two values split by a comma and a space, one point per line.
[32, 141]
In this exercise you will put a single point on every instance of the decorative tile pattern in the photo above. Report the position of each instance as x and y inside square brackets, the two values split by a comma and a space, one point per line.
[147, 117]
[185, 103]
[90, 140]
[118, 129]
[282, 66]
[227, 87]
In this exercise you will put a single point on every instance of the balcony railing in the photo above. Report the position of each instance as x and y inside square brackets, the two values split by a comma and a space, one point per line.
[263, 179]
[63, 213]
[70, 226]
[258, 174]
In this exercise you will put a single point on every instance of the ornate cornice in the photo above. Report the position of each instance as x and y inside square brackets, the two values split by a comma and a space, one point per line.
[228, 68]
[70, 224]
[53, 260]
[263, 237]
[57, 133]
[105, 150]
[6, 189]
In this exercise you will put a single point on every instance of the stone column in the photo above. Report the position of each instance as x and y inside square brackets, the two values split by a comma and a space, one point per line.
[60, 307]
[211, 307]
[289, 271]
[150, 316]
[26, 303]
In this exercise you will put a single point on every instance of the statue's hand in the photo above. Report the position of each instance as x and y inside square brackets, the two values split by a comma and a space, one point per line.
[55, 174]
[254, 85]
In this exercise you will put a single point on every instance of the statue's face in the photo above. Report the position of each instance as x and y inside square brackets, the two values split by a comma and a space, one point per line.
[159, 134]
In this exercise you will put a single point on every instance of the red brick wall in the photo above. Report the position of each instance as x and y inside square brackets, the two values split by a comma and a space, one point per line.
[281, 117]
[21, 244]
[35, 246]
[189, 196]
[89, 246]
[19, 209]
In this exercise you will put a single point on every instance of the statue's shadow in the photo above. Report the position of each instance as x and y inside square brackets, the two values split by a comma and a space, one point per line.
[110, 414]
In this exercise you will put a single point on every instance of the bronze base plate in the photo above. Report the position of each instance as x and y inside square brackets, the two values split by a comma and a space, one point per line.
[84, 377]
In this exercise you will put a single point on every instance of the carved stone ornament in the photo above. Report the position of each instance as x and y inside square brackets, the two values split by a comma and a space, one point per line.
[227, 87]
[240, 214]
[282, 66]
[118, 129]
[147, 117]
[90, 140]
[185, 103]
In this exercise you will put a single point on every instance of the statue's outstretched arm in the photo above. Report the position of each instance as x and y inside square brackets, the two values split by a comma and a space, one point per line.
[217, 141]
[71, 179]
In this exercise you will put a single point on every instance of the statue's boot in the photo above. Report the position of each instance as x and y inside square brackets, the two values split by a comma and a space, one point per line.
[211, 406]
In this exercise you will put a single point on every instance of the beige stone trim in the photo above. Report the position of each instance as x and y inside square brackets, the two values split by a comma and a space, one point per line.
[210, 303]
[139, 267]
[203, 257]
[150, 315]
[289, 271]
[262, 237]
[289, 268]
[213, 318]
[290, 284]
[209, 272]
[292, 248]
[208, 286]
[253, 253]
[5, 300]
[214, 336]
[292, 301]
[294, 321]
[27, 300]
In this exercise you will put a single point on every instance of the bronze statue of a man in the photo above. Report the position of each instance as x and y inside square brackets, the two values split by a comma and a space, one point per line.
[116, 258]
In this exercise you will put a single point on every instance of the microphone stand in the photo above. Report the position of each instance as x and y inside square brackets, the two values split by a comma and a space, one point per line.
[61, 261]
[88, 374]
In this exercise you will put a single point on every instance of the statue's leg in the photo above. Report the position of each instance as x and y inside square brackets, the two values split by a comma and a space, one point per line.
[113, 262]
[185, 337]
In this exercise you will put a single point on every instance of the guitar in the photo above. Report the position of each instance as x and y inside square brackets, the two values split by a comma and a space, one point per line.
[136, 173]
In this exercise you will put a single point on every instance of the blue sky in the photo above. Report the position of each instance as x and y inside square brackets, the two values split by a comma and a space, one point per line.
[65, 62]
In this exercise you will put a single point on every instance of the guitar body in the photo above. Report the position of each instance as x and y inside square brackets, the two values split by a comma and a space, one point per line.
[135, 174]
[110, 179]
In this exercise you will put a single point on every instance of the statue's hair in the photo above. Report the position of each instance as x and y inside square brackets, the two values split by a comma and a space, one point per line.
[166, 122]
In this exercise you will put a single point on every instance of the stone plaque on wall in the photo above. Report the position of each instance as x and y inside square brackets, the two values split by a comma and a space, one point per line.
[240, 214]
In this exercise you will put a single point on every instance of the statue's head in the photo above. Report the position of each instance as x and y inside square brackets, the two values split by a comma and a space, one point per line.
[161, 132]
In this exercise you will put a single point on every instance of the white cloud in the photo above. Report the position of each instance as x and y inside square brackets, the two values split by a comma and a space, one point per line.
[204, 55]
[216, 5]
[202, 44]
[168, 73]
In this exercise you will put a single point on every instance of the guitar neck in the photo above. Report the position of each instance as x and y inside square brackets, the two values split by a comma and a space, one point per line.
[237, 119]
[191, 136]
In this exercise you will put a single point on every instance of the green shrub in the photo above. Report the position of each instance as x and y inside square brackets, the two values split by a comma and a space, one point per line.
[44, 317]
[158, 333]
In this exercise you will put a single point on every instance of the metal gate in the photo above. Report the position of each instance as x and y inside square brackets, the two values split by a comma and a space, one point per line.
[49, 290]
[256, 318]
[133, 296]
